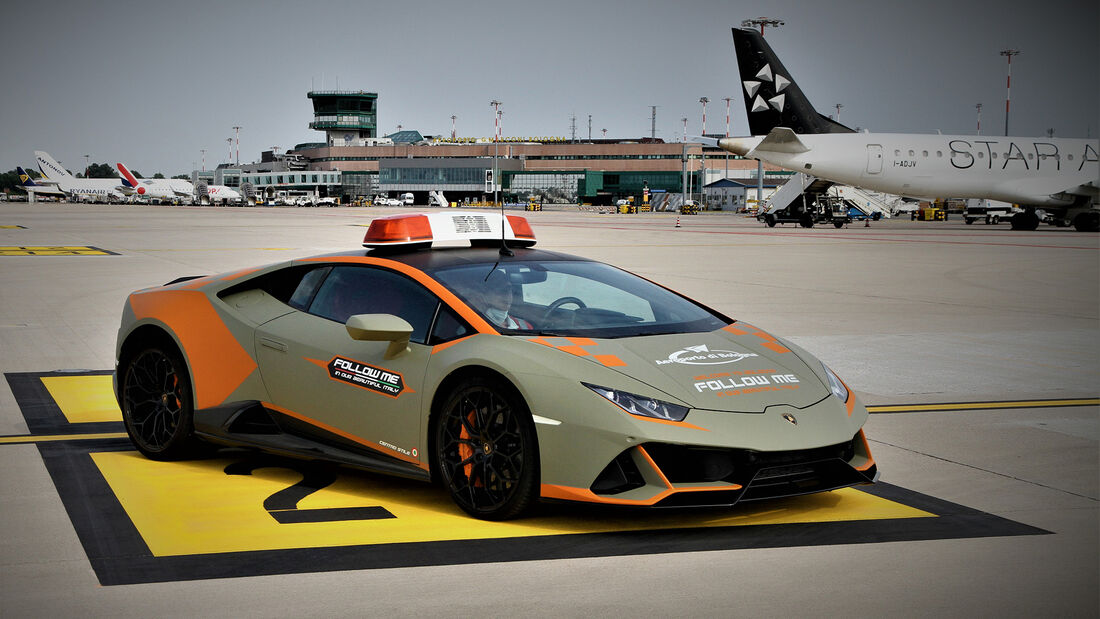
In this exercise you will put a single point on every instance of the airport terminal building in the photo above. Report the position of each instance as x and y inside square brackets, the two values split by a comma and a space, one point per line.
[353, 162]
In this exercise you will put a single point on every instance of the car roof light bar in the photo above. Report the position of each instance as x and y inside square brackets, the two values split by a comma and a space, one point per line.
[416, 230]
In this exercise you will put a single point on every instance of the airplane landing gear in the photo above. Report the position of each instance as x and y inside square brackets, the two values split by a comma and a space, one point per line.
[1026, 220]
[1087, 222]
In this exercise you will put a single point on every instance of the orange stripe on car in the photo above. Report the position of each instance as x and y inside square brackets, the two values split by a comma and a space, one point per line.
[567, 493]
[217, 361]
[677, 424]
[610, 361]
[576, 346]
[657, 469]
[446, 345]
[770, 341]
[867, 448]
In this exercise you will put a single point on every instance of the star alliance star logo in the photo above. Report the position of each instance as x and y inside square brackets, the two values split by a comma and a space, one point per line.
[753, 88]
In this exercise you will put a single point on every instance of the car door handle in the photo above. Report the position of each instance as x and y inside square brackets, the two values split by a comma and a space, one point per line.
[273, 344]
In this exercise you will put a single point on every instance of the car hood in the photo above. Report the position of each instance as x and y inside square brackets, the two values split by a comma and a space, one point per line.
[736, 369]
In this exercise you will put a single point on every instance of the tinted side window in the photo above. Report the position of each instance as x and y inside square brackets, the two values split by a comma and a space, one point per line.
[352, 290]
[303, 294]
[448, 326]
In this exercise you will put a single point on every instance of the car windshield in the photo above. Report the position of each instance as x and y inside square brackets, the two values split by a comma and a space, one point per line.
[574, 298]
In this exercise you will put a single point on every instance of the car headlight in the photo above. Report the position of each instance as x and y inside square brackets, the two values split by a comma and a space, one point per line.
[835, 384]
[641, 405]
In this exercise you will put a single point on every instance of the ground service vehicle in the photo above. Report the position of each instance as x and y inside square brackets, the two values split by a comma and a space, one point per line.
[507, 375]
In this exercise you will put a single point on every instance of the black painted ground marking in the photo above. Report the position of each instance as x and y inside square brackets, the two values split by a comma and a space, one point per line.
[283, 505]
[119, 555]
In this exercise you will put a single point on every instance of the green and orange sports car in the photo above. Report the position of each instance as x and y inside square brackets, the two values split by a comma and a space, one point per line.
[505, 373]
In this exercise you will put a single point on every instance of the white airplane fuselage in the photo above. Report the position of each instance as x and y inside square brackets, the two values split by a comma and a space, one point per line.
[1026, 171]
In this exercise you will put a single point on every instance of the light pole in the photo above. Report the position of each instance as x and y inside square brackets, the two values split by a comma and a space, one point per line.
[496, 139]
[979, 108]
[703, 153]
[237, 130]
[727, 100]
[1008, 84]
[762, 22]
[704, 101]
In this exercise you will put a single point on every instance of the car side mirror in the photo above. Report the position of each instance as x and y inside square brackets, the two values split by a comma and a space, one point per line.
[381, 328]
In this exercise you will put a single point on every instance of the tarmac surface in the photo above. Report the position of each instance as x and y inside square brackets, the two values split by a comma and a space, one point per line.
[908, 313]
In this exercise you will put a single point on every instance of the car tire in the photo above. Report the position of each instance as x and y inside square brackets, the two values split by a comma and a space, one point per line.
[157, 406]
[485, 449]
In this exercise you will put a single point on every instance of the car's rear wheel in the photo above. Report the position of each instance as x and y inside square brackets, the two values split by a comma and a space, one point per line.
[157, 406]
[486, 450]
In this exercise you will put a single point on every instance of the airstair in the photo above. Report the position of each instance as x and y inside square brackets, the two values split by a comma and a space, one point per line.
[798, 184]
[868, 202]
[801, 184]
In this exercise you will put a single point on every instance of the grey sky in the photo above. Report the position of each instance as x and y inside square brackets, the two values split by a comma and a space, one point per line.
[152, 83]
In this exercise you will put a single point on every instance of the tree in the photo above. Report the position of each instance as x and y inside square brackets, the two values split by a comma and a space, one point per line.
[101, 170]
[9, 181]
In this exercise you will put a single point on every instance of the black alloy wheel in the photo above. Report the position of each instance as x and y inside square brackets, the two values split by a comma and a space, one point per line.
[486, 452]
[157, 407]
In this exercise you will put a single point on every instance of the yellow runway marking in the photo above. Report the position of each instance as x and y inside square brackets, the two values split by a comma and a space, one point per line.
[921, 408]
[84, 399]
[51, 250]
[184, 508]
[14, 440]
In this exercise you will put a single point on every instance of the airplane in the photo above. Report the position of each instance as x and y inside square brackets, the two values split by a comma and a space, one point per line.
[1058, 175]
[41, 187]
[171, 190]
[218, 193]
[85, 189]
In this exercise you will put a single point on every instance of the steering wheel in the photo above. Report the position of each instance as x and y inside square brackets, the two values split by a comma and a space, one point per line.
[560, 302]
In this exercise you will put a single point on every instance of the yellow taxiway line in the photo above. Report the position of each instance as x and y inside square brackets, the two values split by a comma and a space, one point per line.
[958, 406]
[12, 440]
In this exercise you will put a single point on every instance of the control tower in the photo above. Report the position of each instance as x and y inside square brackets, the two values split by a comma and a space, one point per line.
[348, 117]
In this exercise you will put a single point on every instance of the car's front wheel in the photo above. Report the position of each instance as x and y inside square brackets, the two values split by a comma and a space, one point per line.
[486, 450]
[157, 407]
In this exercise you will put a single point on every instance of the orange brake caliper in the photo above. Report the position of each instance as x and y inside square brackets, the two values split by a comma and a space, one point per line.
[465, 451]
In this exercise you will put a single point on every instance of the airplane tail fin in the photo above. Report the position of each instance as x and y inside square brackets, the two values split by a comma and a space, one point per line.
[772, 98]
[50, 168]
[128, 179]
[25, 178]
